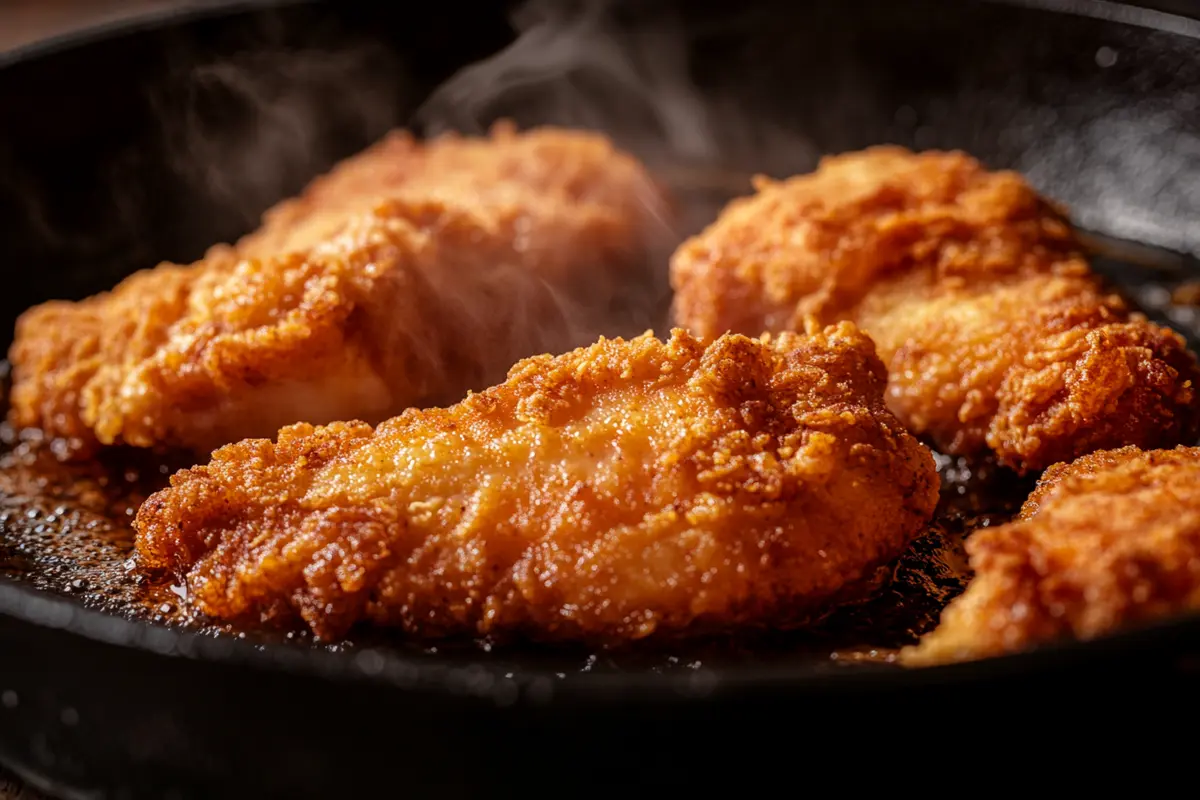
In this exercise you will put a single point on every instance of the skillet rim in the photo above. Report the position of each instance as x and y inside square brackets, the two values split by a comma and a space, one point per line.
[25, 604]
[45, 610]
[1142, 16]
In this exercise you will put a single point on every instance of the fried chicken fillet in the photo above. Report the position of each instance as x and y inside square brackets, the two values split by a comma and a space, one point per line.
[1109, 541]
[409, 274]
[620, 490]
[997, 336]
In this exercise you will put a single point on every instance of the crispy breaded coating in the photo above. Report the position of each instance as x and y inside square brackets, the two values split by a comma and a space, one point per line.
[408, 275]
[997, 335]
[617, 491]
[1109, 541]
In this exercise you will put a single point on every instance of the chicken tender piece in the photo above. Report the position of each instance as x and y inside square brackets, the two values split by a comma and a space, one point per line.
[408, 275]
[997, 336]
[620, 490]
[1109, 541]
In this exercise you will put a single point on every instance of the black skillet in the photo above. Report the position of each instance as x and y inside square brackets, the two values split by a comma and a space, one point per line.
[152, 139]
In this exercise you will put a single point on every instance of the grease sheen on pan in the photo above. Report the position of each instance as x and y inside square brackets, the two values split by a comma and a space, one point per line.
[621, 490]
[997, 335]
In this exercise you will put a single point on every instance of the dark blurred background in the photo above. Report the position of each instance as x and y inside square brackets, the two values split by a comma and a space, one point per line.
[26, 21]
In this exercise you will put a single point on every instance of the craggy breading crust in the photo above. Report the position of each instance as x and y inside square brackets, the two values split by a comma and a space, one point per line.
[1108, 541]
[623, 489]
[996, 334]
[409, 274]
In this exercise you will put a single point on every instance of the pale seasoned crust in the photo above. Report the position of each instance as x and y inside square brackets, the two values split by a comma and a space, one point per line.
[408, 275]
[1109, 541]
[620, 490]
[997, 335]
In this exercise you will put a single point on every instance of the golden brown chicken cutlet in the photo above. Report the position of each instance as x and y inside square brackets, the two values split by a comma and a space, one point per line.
[409, 274]
[621, 490]
[997, 335]
[1109, 541]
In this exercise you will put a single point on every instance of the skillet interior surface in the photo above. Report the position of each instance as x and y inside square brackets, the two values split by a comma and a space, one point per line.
[139, 146]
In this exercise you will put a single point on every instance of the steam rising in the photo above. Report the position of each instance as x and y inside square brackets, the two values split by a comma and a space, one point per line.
[576, 65]
[572, 65]
[247, 130]
[582, 65]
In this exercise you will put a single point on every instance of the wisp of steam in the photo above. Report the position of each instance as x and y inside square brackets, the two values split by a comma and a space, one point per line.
[574, 64]
[570, 66]
[247, 129]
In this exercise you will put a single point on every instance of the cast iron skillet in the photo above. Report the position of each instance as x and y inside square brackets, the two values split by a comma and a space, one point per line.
[124, 146]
